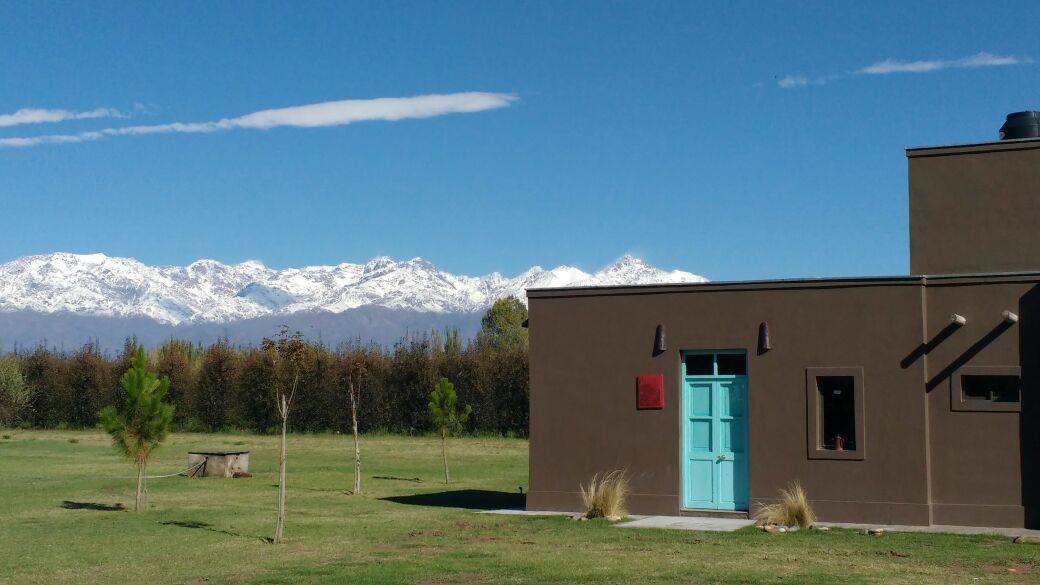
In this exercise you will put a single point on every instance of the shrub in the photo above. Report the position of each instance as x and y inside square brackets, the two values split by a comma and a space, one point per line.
[15, 394]
[793, 509]
[605, 495]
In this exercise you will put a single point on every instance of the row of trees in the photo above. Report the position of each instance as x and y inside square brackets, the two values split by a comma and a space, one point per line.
[143, 418]
[225, 387]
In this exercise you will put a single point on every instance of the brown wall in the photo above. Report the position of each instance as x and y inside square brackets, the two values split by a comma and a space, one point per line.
[975, 209]
[977, 457]
[587, 346]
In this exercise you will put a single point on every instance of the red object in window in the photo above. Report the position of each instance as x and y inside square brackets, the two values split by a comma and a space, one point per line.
[650, 391]
[839, 443]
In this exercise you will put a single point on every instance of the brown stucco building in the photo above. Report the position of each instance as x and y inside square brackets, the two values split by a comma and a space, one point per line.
[900, 400]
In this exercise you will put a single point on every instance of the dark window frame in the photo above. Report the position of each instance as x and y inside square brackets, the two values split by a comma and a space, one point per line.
[814, 424]
[959, 404]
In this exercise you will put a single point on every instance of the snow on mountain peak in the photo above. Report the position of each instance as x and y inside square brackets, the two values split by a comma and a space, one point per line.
[210, 291]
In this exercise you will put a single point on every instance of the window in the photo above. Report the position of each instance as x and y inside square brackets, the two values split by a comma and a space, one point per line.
[715, 364]
[700, 364]
[732, 364]
[986, 389]
[837, 412]
[834, 417]
[992, 388]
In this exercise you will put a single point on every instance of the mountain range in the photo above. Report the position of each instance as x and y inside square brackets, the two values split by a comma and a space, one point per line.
[66, 299]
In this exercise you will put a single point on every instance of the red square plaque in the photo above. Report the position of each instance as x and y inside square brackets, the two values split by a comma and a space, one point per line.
[650, 391]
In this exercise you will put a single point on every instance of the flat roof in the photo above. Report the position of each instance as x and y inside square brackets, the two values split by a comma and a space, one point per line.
[787, 283]
[974, 147]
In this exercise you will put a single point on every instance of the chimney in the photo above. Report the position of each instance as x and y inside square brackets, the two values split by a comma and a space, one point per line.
[1021, 125]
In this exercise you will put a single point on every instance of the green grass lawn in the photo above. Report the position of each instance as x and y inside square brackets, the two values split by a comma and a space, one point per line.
[60, 523]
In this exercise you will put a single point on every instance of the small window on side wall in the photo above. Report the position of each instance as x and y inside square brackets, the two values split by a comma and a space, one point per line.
[837, 412]
[986, 389]
[834, 401]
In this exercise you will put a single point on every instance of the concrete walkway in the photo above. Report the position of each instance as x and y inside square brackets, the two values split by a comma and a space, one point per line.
[731, 524]
[519, 512]
[688, 523]
[637, 521]
[939, 528]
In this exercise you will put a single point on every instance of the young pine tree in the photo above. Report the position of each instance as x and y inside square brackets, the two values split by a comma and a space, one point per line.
[142, 422]
[447, 416]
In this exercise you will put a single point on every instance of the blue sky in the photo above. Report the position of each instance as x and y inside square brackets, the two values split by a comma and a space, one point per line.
[735, 140]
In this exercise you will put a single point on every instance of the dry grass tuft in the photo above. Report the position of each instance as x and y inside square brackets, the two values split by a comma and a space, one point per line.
[605, 495]
[793, 509]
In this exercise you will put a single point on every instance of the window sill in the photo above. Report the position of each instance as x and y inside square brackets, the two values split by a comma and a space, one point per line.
[857, 455]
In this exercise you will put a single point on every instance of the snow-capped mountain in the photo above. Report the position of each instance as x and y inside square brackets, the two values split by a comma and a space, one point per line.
[208, 291]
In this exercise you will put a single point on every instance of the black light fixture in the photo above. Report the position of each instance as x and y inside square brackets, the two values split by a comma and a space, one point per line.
[764, 343]
[659, 344]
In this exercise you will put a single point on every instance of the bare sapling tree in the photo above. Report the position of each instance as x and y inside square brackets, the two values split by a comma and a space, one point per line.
[142, 422]
[355, 377]
[289, 350]
[447, 416]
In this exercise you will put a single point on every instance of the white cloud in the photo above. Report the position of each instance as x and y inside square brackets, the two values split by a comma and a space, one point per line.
[41, 116]
[335, 113]
[888, 66]
[793, 81]
[982, 59]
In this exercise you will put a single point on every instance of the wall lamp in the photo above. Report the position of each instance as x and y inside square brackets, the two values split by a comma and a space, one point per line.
[958, 319]
[659, 344]
[764, 342]
[1009, 317]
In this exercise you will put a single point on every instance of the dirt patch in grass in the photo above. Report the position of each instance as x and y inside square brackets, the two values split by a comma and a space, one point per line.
[1009, 569]
[426, 533]
[454, 579]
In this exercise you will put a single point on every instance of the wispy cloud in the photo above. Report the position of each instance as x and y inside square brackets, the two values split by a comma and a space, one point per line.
[42, 116]
[978, 60]
[889, 66]
[335, 113]
[793, 81]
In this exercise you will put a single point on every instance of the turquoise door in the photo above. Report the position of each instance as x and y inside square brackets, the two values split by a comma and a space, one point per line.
[714, 430]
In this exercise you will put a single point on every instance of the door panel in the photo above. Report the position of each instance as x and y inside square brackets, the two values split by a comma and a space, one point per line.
[700, 443]
[700, 399]
[715, 441]
[700, 490]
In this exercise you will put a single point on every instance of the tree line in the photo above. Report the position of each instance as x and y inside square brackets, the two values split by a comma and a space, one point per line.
[220, 386]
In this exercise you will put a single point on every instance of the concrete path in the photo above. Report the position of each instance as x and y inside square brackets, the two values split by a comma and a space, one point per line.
[1011, 532]
[519, 512]
[688, 523]
[636, 521]
[731, 524]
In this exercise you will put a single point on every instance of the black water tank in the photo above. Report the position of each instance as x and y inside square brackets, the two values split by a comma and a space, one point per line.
[1021, 125]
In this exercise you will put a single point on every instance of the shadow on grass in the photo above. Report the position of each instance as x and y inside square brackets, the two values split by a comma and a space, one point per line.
[467, 499]
[198, 525]
[69, 505]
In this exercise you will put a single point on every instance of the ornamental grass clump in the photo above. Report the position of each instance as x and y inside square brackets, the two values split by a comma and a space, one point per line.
[604, 496]
[793, 509]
